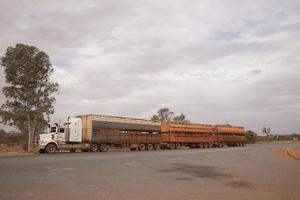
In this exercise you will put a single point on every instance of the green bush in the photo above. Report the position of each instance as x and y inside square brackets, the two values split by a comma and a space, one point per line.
[251, 136]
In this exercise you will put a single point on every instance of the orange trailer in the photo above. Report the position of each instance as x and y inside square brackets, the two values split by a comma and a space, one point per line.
[175, 135]
[230, 135]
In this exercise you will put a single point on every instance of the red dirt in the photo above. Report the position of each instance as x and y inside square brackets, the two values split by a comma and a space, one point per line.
[290, 153]
[295, 153]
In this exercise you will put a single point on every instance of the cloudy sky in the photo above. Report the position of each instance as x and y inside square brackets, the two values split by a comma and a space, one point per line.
[227, 61]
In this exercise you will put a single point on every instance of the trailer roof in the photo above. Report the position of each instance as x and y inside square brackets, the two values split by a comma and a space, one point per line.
[122, 118]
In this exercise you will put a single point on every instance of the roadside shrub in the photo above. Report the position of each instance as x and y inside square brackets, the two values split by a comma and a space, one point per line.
[13, 138]
[251, 136]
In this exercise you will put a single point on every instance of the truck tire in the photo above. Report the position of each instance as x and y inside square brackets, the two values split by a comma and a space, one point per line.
[51, 148]
[94, 147]
[104, 147]
[210, 145]
[172, 146]
[157, 147]
[150, 147]
[142, 147]
[205, 145]
[177, 146]
[72, 151]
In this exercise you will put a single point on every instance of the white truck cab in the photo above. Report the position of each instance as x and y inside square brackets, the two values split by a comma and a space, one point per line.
[67, 136]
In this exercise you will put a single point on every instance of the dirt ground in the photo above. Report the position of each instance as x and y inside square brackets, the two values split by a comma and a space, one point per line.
[292, 153]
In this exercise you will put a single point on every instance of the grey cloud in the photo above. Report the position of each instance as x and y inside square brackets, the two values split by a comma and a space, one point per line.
[131, 57]
[255, 71]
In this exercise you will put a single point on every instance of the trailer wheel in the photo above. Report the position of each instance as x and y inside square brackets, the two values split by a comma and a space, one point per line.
[205, 145]
[201, 145]
[172, 146]
[51, 148]
[94, 147]
[157, 147]
[150, 147]
[177, 146]
[210, 145]
[142, 147]
[104, 147]
[72, 151]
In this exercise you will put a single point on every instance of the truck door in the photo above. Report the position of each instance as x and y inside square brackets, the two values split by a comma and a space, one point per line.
[61, 135]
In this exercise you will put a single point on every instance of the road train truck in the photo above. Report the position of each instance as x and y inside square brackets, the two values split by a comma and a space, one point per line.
[99, 133]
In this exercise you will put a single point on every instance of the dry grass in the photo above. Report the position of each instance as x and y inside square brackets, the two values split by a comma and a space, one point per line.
[4, 148]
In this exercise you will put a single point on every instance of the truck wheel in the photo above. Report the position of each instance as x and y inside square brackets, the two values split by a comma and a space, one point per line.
[171, 146]
[150, 147]
[104, 147]
[94, 147]
[72, 151]
[157, 147]
[51, 148]
[177, 146]
[142, 147]
[210, 145]
[201, 145]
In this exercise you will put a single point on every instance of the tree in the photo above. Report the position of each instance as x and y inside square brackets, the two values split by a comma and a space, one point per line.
[166, 115]
[181, 118]
[266, 130]
[29, 91]
[163, 115]
[250, 136]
